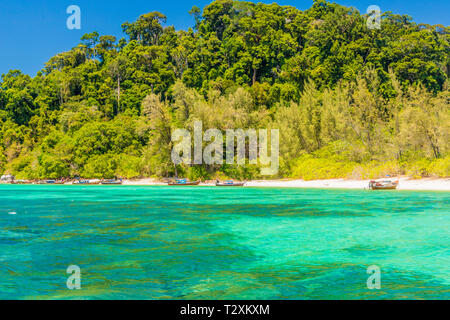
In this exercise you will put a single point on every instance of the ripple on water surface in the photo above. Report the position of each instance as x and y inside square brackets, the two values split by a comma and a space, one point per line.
[214, 243]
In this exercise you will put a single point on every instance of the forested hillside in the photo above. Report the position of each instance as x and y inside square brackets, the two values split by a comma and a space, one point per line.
[348, 101]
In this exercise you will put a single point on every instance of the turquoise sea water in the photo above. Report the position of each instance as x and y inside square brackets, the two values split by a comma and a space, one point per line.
[222, 243]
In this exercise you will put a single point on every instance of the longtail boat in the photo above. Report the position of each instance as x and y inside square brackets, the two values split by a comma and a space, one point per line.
[87, 182]
[184, 182]
[51, 182]
[229, 183]
[383, 185]
[21, 182]
[111, 182]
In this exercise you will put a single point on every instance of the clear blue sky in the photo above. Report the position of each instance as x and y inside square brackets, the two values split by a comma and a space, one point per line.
[32, 31]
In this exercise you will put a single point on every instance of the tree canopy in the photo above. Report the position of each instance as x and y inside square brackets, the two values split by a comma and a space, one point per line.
[348, 100]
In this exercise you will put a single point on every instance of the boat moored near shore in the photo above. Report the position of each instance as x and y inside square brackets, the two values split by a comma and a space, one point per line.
[183, 182]
[63, 181]
[383, 184]
[229, 183]
[21, 182]
[87, 182]
[111, 182]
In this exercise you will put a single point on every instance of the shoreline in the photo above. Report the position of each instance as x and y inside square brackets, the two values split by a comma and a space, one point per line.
[405, 184]
[425, 184]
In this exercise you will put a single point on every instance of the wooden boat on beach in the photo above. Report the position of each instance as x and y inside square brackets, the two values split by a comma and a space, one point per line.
[111, 182]
[230, 183]
[87, 182]
[21, 182]
[383, 185]
[51, 182]
[184, 182]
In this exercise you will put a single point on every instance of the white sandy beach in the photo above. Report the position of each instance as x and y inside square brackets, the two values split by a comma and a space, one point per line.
[405, 184]
[429, 184]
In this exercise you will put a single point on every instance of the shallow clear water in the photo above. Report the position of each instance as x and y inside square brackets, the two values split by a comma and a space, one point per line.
[222, 243]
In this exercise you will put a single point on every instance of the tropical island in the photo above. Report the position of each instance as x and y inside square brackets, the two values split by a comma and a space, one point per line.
[349, 101]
